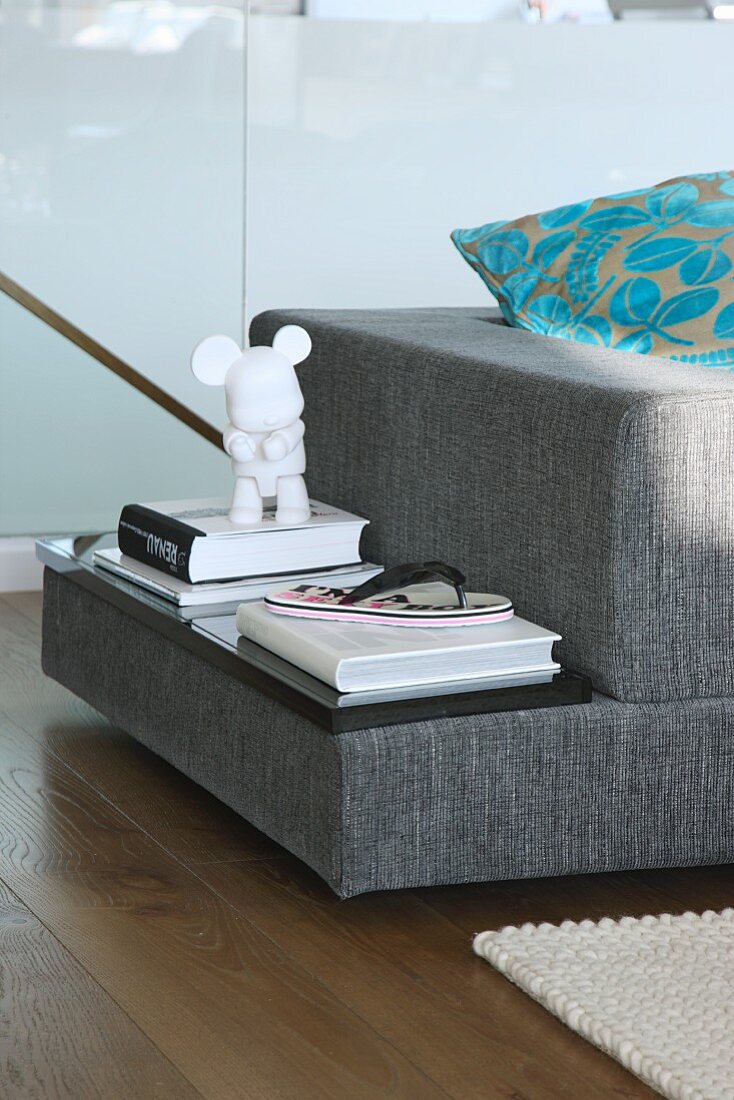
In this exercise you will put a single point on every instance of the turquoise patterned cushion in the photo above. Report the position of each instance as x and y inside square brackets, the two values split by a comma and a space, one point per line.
[649, 271]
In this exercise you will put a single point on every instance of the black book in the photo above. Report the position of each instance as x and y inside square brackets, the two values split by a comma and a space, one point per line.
[194, 541]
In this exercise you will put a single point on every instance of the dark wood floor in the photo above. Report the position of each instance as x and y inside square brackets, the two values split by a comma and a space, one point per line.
[154, 945]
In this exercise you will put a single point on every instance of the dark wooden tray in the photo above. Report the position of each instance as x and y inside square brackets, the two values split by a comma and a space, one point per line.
[213, 637]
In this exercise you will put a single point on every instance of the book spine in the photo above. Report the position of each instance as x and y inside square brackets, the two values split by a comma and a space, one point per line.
[159, 541]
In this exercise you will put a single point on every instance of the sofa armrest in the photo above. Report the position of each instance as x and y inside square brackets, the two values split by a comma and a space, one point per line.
[592, 487]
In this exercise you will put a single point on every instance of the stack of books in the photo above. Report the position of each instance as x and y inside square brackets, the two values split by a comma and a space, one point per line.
[370, 657]
[188, 552]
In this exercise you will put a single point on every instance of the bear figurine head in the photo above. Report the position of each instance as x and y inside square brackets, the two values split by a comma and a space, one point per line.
[260, 384]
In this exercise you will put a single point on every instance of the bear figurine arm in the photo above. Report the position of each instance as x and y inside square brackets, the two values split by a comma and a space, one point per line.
[238, 444]
[283, 441]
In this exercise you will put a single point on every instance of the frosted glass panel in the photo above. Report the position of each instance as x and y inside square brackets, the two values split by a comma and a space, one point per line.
[122, 134]
[76, 442]
[122, 137]
[379, 138]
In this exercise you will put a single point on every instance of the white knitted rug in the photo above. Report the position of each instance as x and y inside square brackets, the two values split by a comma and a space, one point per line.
[656, 993]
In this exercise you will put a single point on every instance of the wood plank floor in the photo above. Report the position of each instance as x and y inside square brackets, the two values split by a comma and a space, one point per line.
[152, 944]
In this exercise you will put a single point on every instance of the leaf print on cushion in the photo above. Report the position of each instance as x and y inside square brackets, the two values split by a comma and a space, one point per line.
[705, 266]
[686, 306]
[615, 218]
[709, 215]
[634, 301]
[594, 330]
[547, 251]
[670, 203]
[727, 188]
[583, 268]
[657, 254]
[641, 342]
[563, 215]
[518, 288]
[551, 311]
[619, 195]
[720, 357]
[503, 252]
[724, 323]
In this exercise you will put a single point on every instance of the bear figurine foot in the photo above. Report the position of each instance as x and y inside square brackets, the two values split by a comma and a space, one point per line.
[245, 517]
[292, 516]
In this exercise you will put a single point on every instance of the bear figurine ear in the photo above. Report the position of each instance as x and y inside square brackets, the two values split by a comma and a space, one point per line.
[212, 358]
[293, 342]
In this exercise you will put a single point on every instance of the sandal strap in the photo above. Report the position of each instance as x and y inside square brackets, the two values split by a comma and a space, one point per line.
[402, 576]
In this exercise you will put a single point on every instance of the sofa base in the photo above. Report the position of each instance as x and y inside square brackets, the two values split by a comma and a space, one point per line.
[602, 787]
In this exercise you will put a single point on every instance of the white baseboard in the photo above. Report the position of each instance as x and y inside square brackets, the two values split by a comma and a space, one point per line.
[20, 571]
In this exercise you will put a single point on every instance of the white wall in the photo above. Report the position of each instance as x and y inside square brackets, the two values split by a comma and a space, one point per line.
[369, 142]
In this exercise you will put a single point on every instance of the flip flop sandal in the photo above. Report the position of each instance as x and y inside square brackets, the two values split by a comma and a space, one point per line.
[386, 599]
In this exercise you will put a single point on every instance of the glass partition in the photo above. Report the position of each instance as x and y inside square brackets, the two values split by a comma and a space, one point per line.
[122, 141]
[76, 442]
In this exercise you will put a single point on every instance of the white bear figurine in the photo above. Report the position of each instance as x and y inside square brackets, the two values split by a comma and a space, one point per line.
[264, 437]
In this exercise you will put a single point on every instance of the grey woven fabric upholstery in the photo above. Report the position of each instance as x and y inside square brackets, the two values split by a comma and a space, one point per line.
[593, 487]
[275, 768]
[590, 788]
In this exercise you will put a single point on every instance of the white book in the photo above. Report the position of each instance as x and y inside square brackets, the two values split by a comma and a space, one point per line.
[365, 657]
[195, 541]
[224, 629]
[453, 687]
[205, 594]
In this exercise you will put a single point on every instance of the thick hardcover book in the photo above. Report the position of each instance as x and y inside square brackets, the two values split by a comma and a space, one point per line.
[160, 541]
[194, 541]
[338, 711]
[368, 656]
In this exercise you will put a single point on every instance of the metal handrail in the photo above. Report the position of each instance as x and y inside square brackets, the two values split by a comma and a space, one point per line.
[108, 359]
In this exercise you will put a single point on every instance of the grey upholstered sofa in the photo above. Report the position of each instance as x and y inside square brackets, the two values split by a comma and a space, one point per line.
[595, 488]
